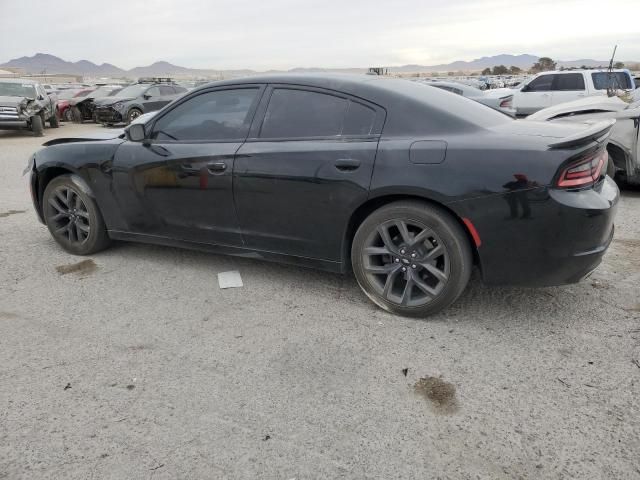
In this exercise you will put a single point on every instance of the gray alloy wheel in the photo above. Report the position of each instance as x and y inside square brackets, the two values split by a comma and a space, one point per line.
[406, 262]
[411, 258]
[73, 217]
[133, 114]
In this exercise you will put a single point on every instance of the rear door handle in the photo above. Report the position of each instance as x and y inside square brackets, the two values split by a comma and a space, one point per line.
[347, 164]
[216, 168]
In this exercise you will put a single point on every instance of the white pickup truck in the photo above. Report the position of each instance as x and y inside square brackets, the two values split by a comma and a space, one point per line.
[551, 88]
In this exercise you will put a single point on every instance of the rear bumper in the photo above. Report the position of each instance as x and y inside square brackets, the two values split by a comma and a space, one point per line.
[545, 237]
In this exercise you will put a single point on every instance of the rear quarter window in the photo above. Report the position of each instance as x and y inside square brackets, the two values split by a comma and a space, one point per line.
[604, 80]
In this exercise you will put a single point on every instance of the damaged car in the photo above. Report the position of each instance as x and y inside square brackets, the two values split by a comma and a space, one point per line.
[81, 108]
[25, 104]
[134, 100]
[623, 146]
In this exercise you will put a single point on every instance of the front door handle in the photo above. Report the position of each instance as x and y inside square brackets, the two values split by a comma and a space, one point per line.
[216, 168]
[347, 164]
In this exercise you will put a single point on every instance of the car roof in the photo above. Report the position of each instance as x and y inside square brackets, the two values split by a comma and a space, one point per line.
[588, 70]
[18, 80]
[410, 106]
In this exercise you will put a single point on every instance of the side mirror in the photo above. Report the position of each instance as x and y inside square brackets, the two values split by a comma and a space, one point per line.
[147, 96]
[135, 132]
[40, 97]
[525, 88]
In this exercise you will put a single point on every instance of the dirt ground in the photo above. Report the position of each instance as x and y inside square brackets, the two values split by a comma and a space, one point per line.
[134, 364]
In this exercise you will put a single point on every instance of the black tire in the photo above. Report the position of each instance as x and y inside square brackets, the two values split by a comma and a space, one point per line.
[53, 121]
[65, 204]
[76, 115]
[37, 126]
[67, 116]
[420, 265]
[132, 114]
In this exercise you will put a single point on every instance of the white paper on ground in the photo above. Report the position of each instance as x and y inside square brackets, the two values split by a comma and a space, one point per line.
[230, 279]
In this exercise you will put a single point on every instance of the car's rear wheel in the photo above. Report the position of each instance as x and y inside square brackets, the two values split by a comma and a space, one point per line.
[67, 116]
[53, 121]
[37, 126]
[76, 115]
[133, 114]
[73, 217]
[411, 258]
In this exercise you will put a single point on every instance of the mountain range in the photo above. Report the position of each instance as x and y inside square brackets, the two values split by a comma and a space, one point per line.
[46, 63]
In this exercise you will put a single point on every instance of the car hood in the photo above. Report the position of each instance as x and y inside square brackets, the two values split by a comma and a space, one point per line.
[108, 101]
[13, 101]
[590, 104]
[98, 136]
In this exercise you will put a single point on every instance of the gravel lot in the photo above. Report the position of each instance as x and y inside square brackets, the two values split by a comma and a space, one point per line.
[136, 365]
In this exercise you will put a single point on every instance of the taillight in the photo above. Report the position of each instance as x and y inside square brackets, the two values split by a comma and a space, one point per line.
[507, 102]
[583, 172]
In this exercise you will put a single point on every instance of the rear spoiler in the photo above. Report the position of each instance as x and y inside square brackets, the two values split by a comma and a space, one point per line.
[598, 132]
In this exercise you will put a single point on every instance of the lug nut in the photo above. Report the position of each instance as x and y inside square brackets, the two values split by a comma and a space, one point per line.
[413, 255]
[404, 269]
[413, 266]
[402, 251]
[397, 260]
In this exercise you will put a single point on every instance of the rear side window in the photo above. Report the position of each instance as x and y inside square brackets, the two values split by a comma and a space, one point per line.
[540, 84]
[604, 80]
[211, 116]
[569, 82]
[153, 92]
[359, 119]
[300, 113]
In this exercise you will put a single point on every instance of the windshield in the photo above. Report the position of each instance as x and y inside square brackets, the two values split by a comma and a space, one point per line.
[132, 91]
[17, 90]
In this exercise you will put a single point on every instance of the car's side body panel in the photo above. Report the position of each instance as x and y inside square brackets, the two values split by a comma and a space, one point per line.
[288, 200]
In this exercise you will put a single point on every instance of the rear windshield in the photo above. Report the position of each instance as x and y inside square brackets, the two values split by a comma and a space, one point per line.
[466, 110]
[17, 90]
[604, 80]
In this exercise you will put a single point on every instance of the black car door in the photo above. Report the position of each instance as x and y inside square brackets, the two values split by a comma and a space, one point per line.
[178, 183]
[305, 167]
[153, 100]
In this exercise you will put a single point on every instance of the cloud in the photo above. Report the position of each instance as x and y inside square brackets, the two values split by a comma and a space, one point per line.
[285, 33]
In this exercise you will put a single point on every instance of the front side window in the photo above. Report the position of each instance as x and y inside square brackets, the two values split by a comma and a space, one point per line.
[301, 113]
[540, 84]
[166, 90]
[210, 116]
[617, 80]
[569, 82]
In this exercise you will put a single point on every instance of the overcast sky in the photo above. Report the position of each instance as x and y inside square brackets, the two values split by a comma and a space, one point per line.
[225, 34]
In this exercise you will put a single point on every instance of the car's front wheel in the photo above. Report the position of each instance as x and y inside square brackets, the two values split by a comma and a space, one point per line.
[133, 114]
[411, 258]
[72, 216]
[37, 126]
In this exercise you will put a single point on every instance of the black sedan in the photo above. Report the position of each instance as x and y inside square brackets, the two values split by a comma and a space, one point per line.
[407, 186]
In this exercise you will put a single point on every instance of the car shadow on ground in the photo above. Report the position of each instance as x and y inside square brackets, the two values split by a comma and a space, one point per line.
[493, 307]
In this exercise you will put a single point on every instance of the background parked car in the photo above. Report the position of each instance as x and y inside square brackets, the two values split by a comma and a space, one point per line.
[551, 88]
[63, 105]
[623, 146]
[500, 99]
[82, 107]
[26, 104]
[134, 100]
